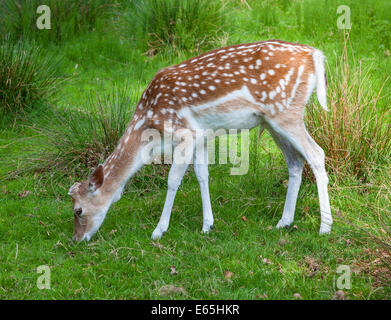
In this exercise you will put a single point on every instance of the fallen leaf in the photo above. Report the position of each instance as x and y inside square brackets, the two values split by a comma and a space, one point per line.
[157, 245]
[223, 201]
[77, 291]
[339, 295]
[297, 296]
[214, 292]
[24, 194]
[244, 218]
[282, 242]
[228, 274]
[263, 296]
[265, 260]
[312, 264]
[173, 270]
[171, 289]
[4, 190]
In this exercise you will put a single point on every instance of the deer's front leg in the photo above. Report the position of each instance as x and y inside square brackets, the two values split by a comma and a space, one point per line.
[174, 180]
[201, 171]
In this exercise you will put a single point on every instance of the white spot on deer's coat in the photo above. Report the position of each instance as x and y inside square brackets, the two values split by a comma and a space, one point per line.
[139, 124]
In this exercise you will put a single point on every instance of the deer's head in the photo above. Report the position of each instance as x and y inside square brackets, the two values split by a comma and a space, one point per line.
[90, 205]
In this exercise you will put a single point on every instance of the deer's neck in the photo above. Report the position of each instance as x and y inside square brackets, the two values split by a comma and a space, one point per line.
[123, 163]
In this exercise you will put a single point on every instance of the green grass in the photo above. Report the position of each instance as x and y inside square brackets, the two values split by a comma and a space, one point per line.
[122, 262]
[36, 221]
[19, 17]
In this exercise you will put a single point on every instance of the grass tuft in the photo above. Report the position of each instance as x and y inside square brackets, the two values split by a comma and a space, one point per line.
[27, 76]
[355, 133]
[176, 25]
[76, 139]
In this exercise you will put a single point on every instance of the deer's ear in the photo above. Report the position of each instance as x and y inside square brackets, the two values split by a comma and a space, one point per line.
[96, 179]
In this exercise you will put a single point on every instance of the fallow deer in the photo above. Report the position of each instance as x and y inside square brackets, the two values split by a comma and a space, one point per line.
[243, 86]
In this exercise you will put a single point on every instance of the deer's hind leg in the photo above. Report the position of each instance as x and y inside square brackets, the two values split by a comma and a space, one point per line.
[296, 134]
[295, 163]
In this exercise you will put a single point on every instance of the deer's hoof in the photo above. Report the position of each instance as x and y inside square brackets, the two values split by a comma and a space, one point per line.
[157, 234]
[283, 224]
[207, 229]
[325, 229]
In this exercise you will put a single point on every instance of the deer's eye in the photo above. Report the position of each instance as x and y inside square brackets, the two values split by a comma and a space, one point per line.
[78, 211]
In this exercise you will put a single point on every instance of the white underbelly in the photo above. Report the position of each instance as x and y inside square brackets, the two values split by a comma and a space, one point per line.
[236, 110]
[240, 118]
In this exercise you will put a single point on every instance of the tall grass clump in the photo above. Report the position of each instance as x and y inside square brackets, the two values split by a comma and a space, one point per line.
[177, 25]
[27, 76]
[355, 134]
[76, 139]
[67, 18]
